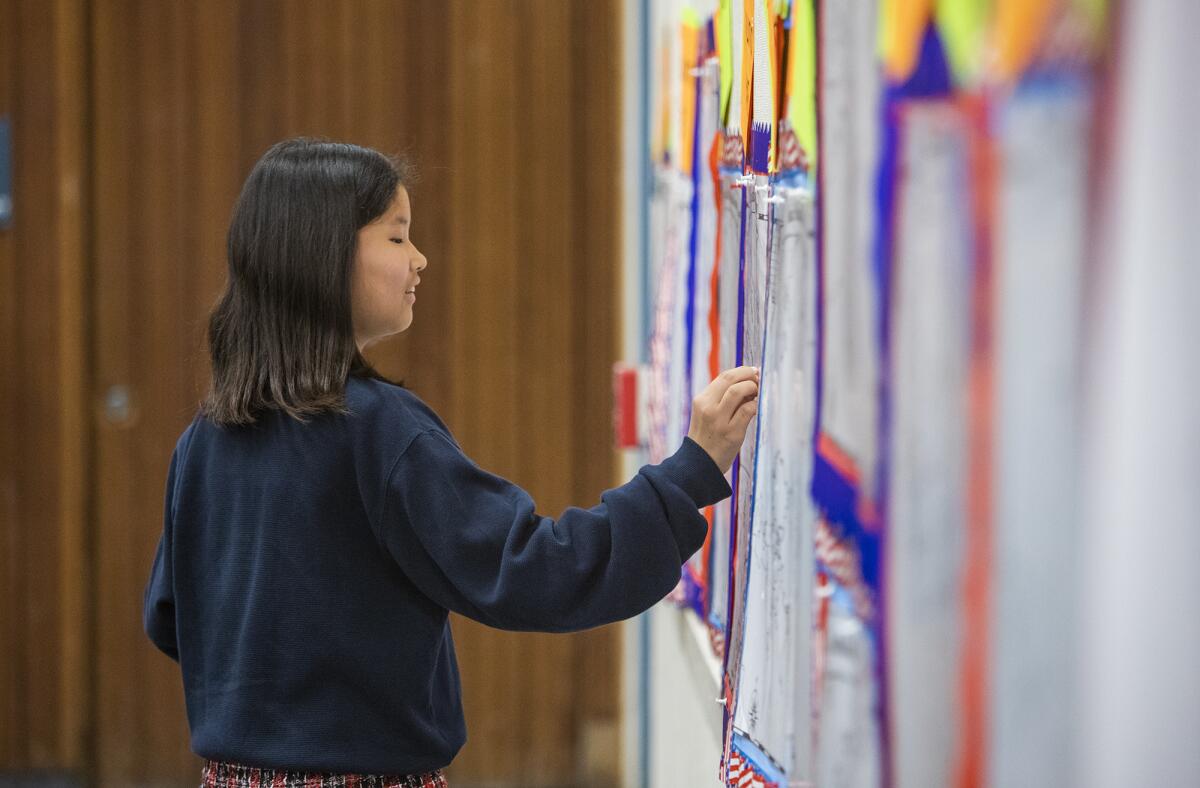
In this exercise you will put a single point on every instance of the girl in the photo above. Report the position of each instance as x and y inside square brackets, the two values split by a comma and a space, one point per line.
[320, 521]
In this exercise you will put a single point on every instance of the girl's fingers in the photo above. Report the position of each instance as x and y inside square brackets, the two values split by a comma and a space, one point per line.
[734, 397]
[730, 377]
[743, 415]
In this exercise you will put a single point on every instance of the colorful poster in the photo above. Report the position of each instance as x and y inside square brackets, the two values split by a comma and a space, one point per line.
[773, 710]
[751, 324]
[849, 744]
[850, 92]
[729, 275]
[849, 750]
[884, 207]
[704, 253]
[668, 383]
[927, 528]
[1042, 136]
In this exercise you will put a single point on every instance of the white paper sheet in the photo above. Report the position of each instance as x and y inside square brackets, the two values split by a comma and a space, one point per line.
[1043, 152]
[754, 289]
[849, 753]
[731, 230]
[774, 706]
[849, 90]
[927, 467]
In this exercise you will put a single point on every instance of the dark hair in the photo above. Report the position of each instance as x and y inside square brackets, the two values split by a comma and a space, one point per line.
[281, 335]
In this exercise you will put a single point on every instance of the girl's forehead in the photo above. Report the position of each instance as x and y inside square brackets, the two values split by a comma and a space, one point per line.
[399, 211]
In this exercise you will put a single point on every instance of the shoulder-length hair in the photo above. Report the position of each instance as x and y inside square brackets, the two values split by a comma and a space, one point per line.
[281, 335]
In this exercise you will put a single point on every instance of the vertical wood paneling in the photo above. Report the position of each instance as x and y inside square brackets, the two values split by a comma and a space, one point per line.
[482, 261]
[595, 334]
[43, 465]
[39, 461]
[215, 165]
[547, 304]
[498, 105]
[113, 197]
[12, 696]
[262, 101]
[73, 488]
[145, 209]
[163, 258]
[419, 43]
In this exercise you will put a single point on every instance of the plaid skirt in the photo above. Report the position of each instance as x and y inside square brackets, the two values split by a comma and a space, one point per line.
[218, 774]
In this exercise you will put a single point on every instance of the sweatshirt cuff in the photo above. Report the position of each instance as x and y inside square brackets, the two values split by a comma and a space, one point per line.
[693, 470]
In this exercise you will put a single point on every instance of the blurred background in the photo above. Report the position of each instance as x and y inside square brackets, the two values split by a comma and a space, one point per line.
[132, 127]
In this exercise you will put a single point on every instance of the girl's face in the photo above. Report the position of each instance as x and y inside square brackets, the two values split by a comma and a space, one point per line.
[384, 279]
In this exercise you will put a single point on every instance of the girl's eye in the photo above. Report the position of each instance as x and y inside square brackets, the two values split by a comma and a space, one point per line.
[397, 240]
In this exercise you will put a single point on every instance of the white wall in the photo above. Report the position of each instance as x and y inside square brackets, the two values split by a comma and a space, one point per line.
[682, 686]
[685, 718]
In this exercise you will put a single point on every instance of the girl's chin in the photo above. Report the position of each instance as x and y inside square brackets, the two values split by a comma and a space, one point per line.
[384, 337]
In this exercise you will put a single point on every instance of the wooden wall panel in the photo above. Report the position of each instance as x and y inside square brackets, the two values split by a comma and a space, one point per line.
[595, 328]
[513, 132]
[145, 266]
[44, 694]
[481, 260]
[12, 698]
[512, 264]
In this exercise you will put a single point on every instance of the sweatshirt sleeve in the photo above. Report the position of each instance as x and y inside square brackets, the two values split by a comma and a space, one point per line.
[474, 543]
[158, 603]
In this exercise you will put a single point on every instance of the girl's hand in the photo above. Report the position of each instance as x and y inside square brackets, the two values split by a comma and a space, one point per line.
[721, 413]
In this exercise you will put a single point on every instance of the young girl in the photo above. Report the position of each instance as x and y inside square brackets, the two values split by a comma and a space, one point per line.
[320, 521]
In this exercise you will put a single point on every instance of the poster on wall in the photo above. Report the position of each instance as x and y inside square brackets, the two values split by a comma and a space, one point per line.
[1043, 139]
[930, 330]
[773, 711]
[729, 267]
[884, 206]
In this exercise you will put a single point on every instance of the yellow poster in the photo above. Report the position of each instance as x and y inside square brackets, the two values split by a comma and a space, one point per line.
[690, 34]
[802, 80]
[1020, 26]
[902, 26]
[963, 25]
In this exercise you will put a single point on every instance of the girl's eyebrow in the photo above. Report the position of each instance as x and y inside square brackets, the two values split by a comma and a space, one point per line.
[400, 220]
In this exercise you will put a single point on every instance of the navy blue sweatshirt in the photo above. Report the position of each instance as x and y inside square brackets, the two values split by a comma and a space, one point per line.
[305, 572]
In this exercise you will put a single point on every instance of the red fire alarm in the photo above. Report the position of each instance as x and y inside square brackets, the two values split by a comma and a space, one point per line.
[625, 406]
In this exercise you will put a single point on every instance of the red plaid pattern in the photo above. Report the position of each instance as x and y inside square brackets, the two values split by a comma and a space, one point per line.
[844, 562]
[733, 151]
[716, 639]
[218, 774]
[791, 155]
[742, 774]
